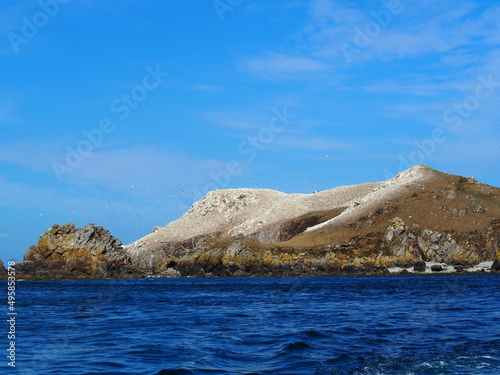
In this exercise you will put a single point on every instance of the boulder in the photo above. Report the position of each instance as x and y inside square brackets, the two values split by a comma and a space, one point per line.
[396, 228]
[496, 265]
[459, 267]
[436, 268]
[419, 266]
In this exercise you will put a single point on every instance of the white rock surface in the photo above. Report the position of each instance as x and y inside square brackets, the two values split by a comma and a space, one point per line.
[235, 212]
[383, 192]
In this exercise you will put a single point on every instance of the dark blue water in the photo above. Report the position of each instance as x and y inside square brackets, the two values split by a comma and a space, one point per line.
[433, 324]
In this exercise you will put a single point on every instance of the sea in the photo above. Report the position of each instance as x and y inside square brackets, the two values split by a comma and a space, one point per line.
[397, 324]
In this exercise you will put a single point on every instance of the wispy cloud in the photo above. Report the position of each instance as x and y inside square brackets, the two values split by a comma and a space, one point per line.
[117, 168]
[412, 88]
[418, 29]
[84, 206]
[235, 119]
[142, 166]
[207, 88]
[280, 65]
[461, 58]
[412, 32]
[7, 111]
[35, 156]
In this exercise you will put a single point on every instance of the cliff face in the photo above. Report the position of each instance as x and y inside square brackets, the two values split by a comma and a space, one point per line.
[494, 244]
[68, 252]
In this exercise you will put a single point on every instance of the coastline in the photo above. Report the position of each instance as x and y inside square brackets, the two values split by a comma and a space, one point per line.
[422, 221]
[479, 269]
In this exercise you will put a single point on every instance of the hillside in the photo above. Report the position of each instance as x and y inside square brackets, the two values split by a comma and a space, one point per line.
[419, 215]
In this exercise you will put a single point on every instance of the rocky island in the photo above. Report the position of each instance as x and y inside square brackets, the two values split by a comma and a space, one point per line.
[66, 252]
[422, 220]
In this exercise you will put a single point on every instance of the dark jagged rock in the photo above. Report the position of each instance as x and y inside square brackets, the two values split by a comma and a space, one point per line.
[496, 265]
[3, 271]
[436, 268]
[494, 244]
[419, 266]
[64, 252]
[459, 267]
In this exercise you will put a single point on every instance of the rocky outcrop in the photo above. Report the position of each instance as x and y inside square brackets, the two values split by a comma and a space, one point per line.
[494, 244]
[67, 252]
[494, 239]
[433, 246]
[243, 256]
[419, 266]
[3, 271]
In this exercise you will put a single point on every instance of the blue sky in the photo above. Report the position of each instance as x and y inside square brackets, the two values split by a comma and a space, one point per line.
[123, 113]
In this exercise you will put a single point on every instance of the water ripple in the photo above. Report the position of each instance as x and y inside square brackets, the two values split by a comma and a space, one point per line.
[331, 325]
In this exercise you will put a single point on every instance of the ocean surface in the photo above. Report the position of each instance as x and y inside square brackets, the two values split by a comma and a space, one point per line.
[429, 324]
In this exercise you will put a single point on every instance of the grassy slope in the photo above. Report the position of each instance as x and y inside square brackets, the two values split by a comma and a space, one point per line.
[447, 204]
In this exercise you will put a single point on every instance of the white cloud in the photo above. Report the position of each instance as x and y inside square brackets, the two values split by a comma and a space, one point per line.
[145, 166]
[420, 28]
[452, 33]
[279, 65]
[236, 120]
[412, 88]
[115, 169]
[207, 88]
[33, 155]
[461, 58]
